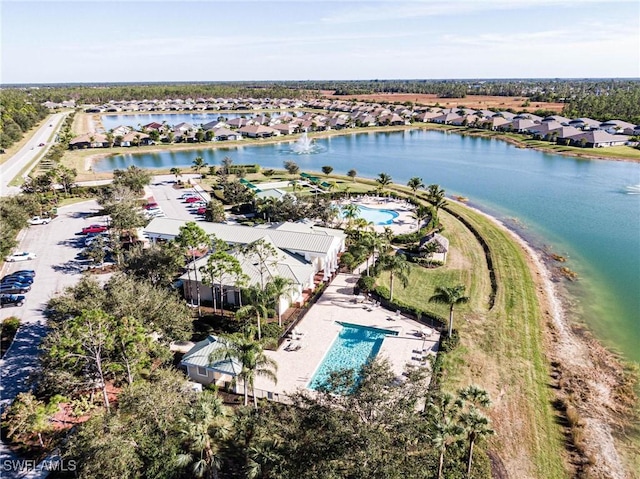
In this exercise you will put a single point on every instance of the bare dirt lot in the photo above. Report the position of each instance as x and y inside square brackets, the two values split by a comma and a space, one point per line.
[471, 101]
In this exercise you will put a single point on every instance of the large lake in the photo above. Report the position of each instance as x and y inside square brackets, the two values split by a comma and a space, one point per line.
[578, 208]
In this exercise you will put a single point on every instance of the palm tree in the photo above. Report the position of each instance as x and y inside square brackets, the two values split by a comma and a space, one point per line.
[397, 266]
[445, 410]
[257, 309]
[244, 349]
[451, 296]
[434, 193]
[428, 249]
[350, 212]
[295, 185]
[198, 163]
[278, 287]
[177, 172]
[415, 183]
[420, 214]
[383, 181]
[202, 434]
[476, 426]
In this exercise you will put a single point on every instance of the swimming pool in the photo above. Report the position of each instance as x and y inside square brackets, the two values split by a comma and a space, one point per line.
[376, 216]
[353, 347]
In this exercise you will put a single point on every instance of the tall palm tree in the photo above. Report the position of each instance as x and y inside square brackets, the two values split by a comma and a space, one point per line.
[415, 184]
[276, 289]
[198, 163]
[435, 194]
[383, 181]
[398, 267]
[476, 427]
[202, 434]
[350, 212]
[451, 296]
[257, 309]
[177, 172]
[420, 214]
[244, 349]
[445, 411]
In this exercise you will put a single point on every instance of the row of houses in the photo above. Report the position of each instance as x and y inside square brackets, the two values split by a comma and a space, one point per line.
[190, 104]
[337, 115]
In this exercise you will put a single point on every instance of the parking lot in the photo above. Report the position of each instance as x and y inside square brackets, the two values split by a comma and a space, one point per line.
[164, 193]
[56, 246]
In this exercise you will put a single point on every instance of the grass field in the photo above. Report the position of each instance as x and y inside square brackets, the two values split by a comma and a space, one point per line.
[502, 349]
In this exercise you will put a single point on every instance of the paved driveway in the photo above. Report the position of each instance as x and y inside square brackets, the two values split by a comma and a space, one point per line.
[168, 198]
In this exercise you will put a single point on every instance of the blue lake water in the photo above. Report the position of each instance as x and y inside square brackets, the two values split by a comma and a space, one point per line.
[579, 208]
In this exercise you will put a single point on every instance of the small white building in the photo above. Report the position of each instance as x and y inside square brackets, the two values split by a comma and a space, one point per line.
[201, 370]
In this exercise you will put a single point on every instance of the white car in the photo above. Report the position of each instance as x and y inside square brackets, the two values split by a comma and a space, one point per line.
[39, 220]
[21, 256]
[198, 204]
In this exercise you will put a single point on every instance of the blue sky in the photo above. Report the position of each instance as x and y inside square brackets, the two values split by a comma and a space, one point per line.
[109, 41]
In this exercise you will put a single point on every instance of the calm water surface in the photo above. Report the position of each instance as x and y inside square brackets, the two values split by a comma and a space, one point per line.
[578, 208]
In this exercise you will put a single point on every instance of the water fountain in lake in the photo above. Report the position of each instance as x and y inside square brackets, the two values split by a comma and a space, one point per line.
[304, 145]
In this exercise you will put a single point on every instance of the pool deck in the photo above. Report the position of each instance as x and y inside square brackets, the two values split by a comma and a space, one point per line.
[320, 328]
[404, 223]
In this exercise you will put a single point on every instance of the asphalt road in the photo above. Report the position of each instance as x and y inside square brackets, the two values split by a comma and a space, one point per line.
[12, 167]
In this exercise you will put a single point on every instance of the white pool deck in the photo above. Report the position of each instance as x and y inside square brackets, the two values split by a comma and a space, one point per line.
[404, 223]
[320, 328]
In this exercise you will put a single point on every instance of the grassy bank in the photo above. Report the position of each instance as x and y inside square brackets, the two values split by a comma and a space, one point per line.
[502, 349]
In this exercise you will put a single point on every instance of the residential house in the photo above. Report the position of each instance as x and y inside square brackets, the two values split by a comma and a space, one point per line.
[597, 139]
[618, 126]
[585, 123]
[89, 140]
[224, 134]
[258, 131]
[200, 369]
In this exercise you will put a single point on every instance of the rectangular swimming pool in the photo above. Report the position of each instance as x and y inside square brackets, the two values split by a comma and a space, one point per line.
[354, 346]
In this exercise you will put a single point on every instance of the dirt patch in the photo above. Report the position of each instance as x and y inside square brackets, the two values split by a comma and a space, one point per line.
[484, 102]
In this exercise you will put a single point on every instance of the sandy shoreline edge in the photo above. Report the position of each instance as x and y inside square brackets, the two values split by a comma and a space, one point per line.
[581, 357]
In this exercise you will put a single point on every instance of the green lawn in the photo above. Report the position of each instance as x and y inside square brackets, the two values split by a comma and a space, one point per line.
[502, 349]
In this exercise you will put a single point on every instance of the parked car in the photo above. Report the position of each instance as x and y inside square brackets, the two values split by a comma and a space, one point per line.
[151, 206]
[192, 199]
[11, 300]
[17, 278]
[41, 144]
[39, 220]
[94, 229]
[16, 282]
[14, 288]
[198, 204]
[187, 194]
[89, 240]
[21, 256]
[25, 272]
[202, 210]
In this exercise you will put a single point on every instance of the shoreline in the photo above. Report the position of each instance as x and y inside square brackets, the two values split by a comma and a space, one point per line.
[578, 359]
[478, 133]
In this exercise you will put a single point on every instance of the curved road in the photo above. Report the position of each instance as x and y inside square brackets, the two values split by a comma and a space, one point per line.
[14, 165]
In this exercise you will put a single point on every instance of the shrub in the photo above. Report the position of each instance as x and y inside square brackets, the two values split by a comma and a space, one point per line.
[447, 343]
[366, 283]
[10, 325]
[383, 292]
[269, 172]
[272, 330]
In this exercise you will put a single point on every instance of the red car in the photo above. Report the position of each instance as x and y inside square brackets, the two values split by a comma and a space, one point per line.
[192, 199]
[202, 210]
[151, 206]
[94, 229]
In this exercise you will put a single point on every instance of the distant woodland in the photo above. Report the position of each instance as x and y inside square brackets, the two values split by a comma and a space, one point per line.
[603, 99]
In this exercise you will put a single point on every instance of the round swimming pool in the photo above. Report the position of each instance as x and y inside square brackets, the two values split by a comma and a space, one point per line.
[376, 216]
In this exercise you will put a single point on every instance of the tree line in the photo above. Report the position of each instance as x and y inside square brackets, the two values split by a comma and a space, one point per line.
[18, 114]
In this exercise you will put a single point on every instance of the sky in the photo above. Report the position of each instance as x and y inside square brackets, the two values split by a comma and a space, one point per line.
[157, 40]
